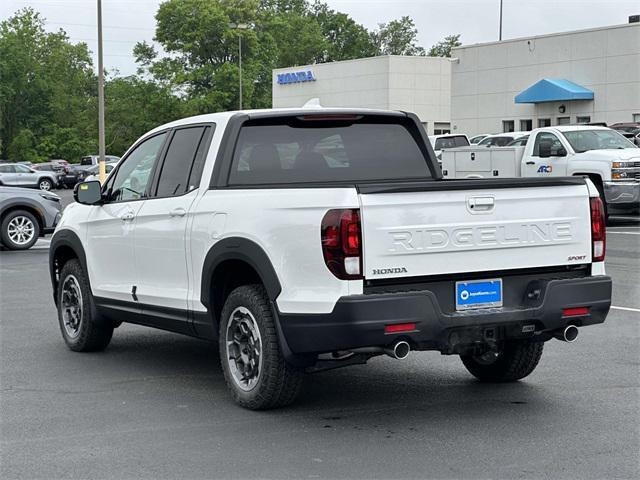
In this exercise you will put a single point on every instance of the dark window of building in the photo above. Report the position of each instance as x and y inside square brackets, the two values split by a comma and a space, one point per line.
[526, 125]
[508, 126]
[583, 119]
[544, 122]
[564, 120]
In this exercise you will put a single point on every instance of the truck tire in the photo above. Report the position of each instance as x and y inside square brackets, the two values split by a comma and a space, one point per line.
[515, 361]
[45, 184]
[254, 368]
[20, 230]
[81, 328]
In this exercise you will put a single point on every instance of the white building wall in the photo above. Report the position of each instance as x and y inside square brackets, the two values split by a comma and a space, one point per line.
[487, 77]
[417, 84]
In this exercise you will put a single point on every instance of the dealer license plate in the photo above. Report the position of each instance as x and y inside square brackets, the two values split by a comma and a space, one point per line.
[479, 294]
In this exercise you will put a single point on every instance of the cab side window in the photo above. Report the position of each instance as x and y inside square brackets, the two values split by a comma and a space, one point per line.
[134, 174]
[181, 169]
[546, 137]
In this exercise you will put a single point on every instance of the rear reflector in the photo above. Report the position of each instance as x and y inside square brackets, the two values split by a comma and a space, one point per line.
[598, 230]
[400, 327]
[575, 312]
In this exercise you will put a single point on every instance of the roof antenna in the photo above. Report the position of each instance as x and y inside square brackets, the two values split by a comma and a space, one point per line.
[312, 103]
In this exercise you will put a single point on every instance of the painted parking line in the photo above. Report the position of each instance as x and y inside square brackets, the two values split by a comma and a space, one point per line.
[623, 233]
[626, 309]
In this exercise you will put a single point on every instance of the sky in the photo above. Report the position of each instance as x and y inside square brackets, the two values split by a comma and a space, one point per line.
[126, 22]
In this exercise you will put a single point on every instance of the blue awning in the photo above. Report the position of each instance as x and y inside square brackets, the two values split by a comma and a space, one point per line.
[554, 90]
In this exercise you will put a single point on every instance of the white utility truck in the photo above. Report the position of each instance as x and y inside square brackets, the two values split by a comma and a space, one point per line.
[610, 160]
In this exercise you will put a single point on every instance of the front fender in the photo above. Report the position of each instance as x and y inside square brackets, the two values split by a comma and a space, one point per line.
[65, 244]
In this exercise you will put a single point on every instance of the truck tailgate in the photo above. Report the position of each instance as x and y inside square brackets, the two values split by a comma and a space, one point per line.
[410, 232]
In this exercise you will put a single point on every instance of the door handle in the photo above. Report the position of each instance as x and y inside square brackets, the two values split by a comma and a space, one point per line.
[127, 217]
[480, 204]
[531, 163]
[178, 212]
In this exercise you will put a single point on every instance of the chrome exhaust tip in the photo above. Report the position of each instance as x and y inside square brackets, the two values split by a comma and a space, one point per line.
[569, 334]
[399, 350]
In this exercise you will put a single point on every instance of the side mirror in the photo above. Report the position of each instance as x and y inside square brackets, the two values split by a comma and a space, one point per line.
[562, 152]
[88, 193]
[544, 149]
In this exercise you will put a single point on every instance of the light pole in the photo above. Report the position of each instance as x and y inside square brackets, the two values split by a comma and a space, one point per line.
[239, 26]
[101, 147]
[500, 35]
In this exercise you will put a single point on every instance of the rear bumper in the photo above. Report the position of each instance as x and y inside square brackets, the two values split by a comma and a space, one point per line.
[359, 320]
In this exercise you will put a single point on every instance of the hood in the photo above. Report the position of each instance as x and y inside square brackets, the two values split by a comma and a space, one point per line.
[26, 192]
[612, 155]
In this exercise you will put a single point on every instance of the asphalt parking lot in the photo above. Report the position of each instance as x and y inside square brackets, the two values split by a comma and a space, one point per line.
[154, 404]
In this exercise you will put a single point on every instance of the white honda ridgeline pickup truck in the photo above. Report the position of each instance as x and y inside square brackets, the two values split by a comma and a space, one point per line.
[309, 239]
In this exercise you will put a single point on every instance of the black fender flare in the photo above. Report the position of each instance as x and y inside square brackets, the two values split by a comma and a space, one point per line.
[65, 238]
[238, 248]
[248, 251]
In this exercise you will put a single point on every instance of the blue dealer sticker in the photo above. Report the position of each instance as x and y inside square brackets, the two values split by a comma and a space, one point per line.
[479, 294]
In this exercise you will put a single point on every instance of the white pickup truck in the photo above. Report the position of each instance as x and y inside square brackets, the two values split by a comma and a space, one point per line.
[611, 161]
[309, 239]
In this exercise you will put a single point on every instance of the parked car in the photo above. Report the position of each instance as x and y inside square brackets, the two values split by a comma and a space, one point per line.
[477, 138]
[611, 161]
[629, 130]
[91, 173]
[17, 175]
[63, 164]
[294, 262]
[500, 139]
[56, 168]
[94, 159]
[441, 142]
[519, 142]
[25, 215]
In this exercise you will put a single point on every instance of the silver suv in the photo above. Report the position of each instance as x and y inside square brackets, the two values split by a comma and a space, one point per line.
[26, 215]
[17, 175]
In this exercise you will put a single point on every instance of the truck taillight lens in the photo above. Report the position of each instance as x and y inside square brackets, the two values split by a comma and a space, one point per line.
[342, 243]
[598, 230]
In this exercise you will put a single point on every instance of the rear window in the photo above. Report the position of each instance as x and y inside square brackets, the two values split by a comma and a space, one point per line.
[451, 142]
[301, 151]
[86, 161]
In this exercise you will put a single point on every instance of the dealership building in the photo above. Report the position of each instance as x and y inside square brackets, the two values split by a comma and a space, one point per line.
[572, 77]
[417, 84]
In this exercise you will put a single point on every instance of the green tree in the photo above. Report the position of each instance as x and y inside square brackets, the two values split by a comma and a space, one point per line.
[345, 39]
[23, 147]
[398, 37]
[46, 82]
[134, 106]
[444, 47]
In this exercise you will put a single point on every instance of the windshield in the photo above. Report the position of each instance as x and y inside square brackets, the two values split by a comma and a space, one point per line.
[583, 140]
[496, 141]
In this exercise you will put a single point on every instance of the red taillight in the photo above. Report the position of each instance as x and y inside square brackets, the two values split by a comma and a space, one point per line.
[575, 312]
[342, 243]
[598, 230]
[400, 327]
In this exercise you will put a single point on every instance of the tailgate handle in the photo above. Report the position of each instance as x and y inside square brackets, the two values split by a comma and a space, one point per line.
[481, 204]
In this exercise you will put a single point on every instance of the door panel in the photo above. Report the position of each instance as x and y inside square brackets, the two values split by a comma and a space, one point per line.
[111, 258]
[110, 253]
[161, 251]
